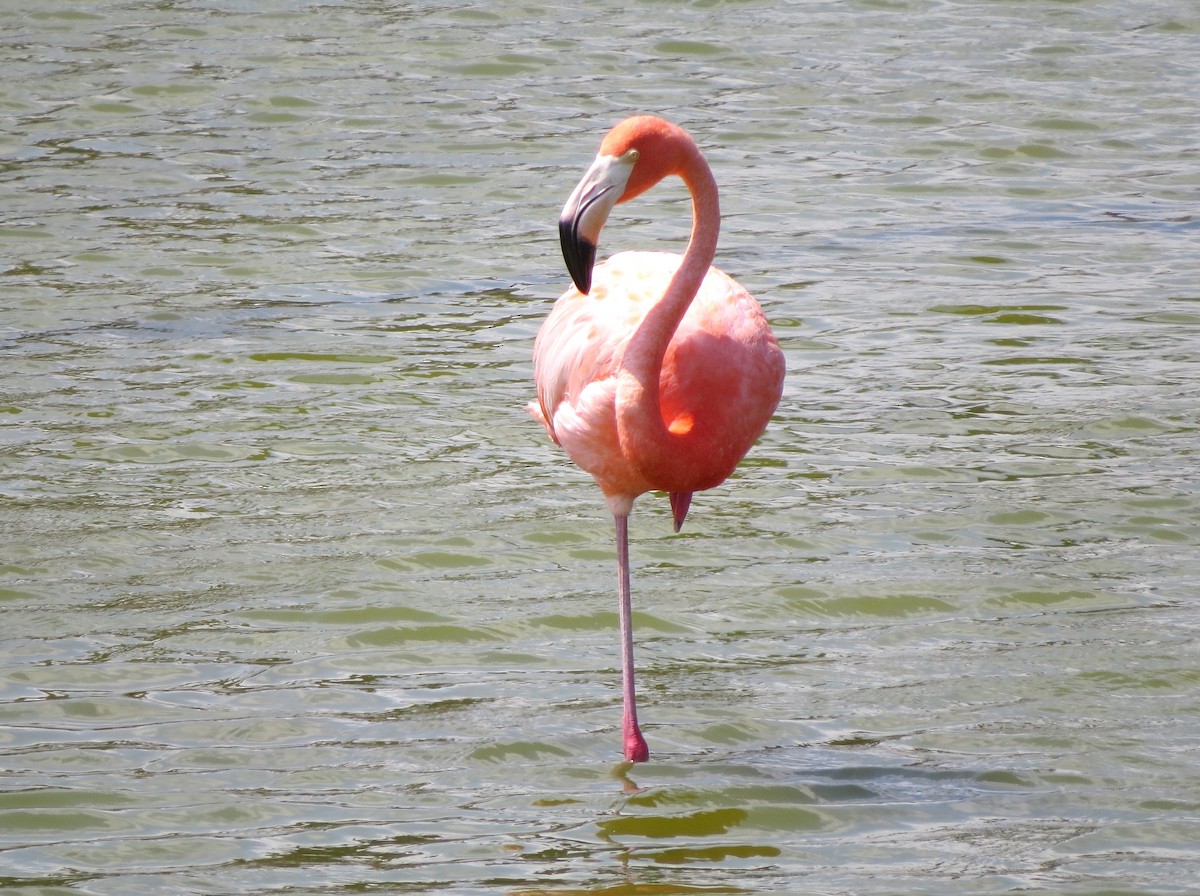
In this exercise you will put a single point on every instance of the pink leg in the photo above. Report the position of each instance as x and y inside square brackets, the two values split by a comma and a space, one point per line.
[635, 745]
[680, 502]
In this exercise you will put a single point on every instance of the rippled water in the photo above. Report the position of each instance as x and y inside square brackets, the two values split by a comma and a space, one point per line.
[296, 599]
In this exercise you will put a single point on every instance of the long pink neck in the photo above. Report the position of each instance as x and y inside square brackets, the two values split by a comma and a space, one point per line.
[639, 415]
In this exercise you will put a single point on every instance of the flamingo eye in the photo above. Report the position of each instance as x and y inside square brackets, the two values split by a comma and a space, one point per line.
[632, 155]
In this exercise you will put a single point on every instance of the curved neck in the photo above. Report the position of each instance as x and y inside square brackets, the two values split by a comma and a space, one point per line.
[639, 414]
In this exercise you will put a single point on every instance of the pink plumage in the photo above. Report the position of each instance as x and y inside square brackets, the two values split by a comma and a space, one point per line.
[655, 372]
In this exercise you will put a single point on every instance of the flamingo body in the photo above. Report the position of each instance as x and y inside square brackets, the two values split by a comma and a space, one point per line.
[655, 372]
[711, 394]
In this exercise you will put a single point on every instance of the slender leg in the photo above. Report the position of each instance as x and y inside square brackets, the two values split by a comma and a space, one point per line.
[635, 745]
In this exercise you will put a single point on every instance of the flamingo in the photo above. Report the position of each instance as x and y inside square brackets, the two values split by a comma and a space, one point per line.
[654, 372]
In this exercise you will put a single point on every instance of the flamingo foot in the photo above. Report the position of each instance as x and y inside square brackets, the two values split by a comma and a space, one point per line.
[680, 502]
[635, 745]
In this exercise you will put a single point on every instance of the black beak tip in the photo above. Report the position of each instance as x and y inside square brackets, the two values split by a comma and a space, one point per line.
[579, 255]
[583, 277]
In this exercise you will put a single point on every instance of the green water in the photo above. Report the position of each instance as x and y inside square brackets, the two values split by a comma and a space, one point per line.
[294, 597]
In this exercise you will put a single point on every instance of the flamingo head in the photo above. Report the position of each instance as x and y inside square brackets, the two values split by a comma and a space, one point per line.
[636, 154]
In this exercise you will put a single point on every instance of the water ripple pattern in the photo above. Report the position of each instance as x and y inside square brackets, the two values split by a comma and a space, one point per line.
[295, 598]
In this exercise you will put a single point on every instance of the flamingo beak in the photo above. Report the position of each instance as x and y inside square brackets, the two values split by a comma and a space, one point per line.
[586, 211]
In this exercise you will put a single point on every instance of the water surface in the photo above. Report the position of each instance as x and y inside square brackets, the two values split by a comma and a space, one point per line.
[295, 598]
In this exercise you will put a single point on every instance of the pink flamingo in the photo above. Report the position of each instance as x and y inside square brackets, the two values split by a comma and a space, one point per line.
[657, 373]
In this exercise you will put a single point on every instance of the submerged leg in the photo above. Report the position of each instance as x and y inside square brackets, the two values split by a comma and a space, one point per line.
[635, 745]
